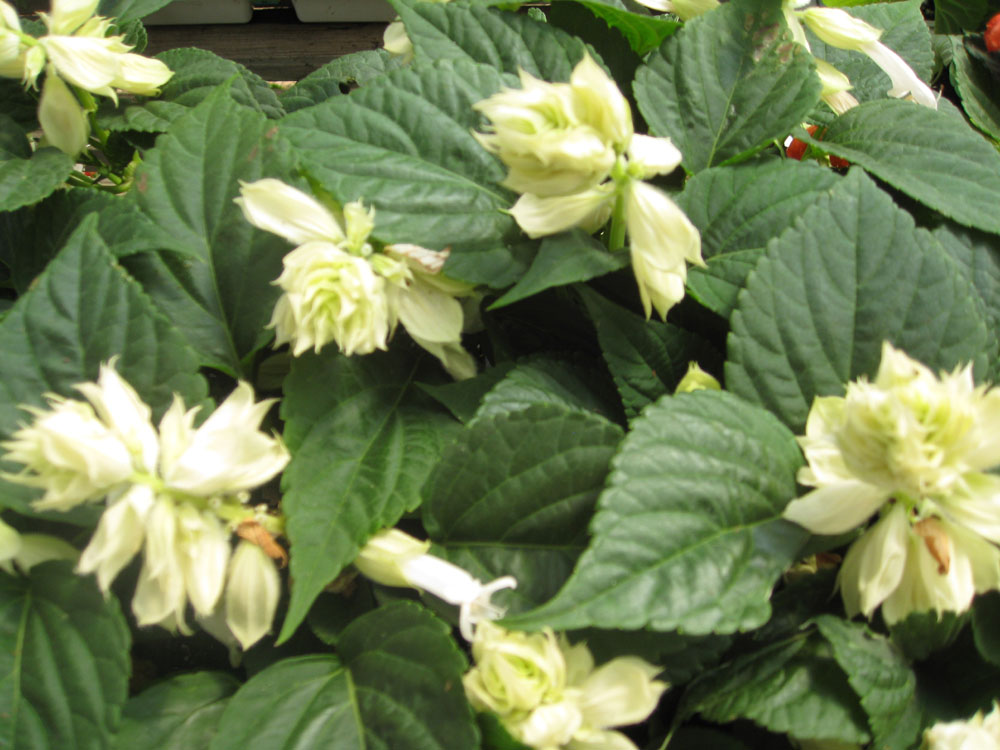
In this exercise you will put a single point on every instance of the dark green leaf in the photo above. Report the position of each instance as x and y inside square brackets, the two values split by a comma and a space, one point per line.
[330, 80]
[64, 660]
[463, 397]
[197, 74]
[929, 155]
[547, 380]
[979, 91]
[880, 676]
[792, 687]
[178, 714]
[920, 634]
[508, 42]
[564, 259]
[643, 32]
[395, 683]
[956, 16]
[82, 311]
[404, 144]
[27, 181]
[688, 534]
[514, 493]
[986, 626]
[852, 272]
[682, 657]
[738, 210]
[646, 358]
[727, 84]
[220, 293]
[363, 440]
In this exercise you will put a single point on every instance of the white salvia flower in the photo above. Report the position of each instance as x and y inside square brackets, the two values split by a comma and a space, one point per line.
[160, 597]
[391, 556]
[252, 592]
[840, 29]
[540, 216]
[203, 543]
[337, 288]
[663, 241]
[227, 454]
[70, 453]
[977, 733]
[915, 448]
[119, 536]
[835, 87]
[683, 9]
[548, 694]
[13, 53]
[68, 15]
[558, 138]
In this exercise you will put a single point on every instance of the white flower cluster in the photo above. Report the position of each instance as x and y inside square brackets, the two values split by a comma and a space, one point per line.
[337, 287]
[546, 692]
[176, 493]
[913, 448]
[978, 733]
[77, 51]
[573, 156]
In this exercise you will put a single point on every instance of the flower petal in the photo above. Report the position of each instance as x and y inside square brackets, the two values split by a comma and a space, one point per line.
[836, 508]
[620, 692]
[539, 216]
[252, 593]
[278, 208]
[875, 564]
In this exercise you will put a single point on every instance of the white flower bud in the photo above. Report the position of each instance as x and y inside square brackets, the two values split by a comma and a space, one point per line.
[977, 733]
[663, 241]
[696, 379]
[141, 75]
[252, 592]
[64, 122]
[650, 156]
[598, 103]
[396, 42]
[539, 216]
[838, 28]
[203, 543]
[385, 555]
[549, 725]
[160, 597]
[119, 536]
[87, 62]
[68, 15]
[835, 87]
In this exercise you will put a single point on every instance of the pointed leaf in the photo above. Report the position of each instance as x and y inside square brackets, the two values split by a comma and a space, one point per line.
[395, 683]
[853, 272]
[727, 84]
[176, 714]
[562, 259]
[515, 493]
[979, 91]
[509, 42]
[64, 661]
[646, 358]
[929, 155]
[688, 534]
[404, 144]
[643, 32]
[27, 181]
[334, 78]
[363, 440]
[881, 678]
[221, 295]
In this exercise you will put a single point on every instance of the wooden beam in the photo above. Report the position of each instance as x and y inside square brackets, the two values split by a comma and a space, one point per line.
[277, 47]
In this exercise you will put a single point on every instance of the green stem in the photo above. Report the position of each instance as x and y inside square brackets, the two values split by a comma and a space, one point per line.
[616, 238]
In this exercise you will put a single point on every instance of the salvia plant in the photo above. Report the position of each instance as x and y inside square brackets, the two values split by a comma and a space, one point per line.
[598, 376]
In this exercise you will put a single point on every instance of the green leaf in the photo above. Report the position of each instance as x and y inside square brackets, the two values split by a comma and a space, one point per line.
[853, 272]
[792, 687]
[904, 31]
[177, 714]
[404, 144]
[978, 255]
[64, 657]
[956, 16]
[646, 358]
[27, 181]
[699, 738]
[682, 657]
[880, 676]
[978, 90]
[920, 634]
[13, 139]
[331, 79]
[727, 84]
[508, 42]
[929, 155]
[126, 10]
[82, 311]
[18, 104]
[220, 295]
[197, 74]
[737, 210]
[688, 534]
[986, 626]
[562, 259]
[643, 32]
[363, 441]
[463, 397]
[514, 493]
[575, 384]
[394, 683]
